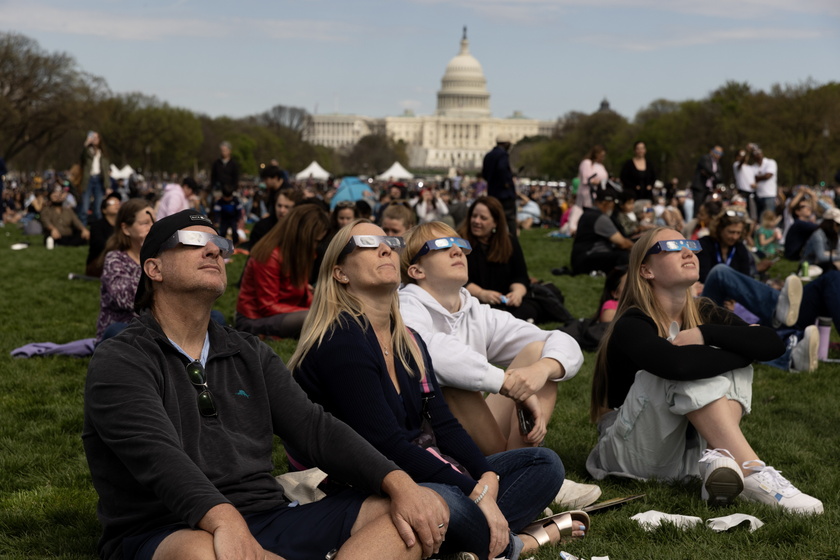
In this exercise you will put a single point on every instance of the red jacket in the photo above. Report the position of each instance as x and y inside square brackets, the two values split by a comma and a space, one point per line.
[266, 291]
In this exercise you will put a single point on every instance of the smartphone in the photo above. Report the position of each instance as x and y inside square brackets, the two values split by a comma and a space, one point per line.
[526, 420]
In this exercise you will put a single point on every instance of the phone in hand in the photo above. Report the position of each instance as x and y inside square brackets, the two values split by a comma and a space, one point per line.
[526, 420]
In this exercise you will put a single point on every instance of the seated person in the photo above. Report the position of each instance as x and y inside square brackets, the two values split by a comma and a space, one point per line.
[498, 274]
[470, 343]
[100, 231]
[799, 231]
[275, 295]
[673, 379]
[397, 219]
[286, 199]
[60, 223]
[823, 247]
[120, 265]
[725, 244]
[598, 244]
[613, 286]
[795, 305]
[699, 226]
[529, 213]
[180, 455]
[359, 361]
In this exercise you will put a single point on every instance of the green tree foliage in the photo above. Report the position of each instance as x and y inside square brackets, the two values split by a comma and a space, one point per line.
[47, 104]
[374, 154]
[797, 125]
[142, 131]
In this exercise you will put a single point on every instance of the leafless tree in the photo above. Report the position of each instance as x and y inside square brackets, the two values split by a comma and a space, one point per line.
[42, 95]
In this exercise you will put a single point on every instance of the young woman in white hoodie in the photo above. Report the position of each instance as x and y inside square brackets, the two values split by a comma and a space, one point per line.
[466, 338]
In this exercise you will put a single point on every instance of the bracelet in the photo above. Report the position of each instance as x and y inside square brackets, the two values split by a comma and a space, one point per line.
[481, 496]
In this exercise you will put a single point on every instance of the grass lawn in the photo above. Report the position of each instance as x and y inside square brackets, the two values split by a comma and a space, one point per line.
[47, 503]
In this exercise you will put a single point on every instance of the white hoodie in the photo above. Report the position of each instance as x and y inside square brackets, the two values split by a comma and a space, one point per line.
[464, 345]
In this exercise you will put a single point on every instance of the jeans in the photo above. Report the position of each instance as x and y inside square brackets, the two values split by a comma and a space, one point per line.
[766, 203]
[95, 187]
[724, 282]
[529, 480]
[820, 297]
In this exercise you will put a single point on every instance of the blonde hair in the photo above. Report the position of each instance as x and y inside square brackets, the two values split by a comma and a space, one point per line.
[331, 298]
[415, 238]
[637, 294]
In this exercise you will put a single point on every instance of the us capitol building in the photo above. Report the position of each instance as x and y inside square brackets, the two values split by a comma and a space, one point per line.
[460, 132]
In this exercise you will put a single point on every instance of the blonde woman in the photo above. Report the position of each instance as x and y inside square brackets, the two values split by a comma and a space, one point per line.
[673, 379]
[359, 361]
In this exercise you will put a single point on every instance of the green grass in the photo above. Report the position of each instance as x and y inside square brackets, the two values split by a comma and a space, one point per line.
[47, 503]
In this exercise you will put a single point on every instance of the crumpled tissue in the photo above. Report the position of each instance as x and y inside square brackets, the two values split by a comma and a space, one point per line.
[728, 522]
[650, 520]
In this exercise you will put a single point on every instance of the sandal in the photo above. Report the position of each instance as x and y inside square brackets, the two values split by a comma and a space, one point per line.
[565, 522]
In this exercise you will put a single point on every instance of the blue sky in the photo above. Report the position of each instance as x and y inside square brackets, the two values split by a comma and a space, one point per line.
[377, 58]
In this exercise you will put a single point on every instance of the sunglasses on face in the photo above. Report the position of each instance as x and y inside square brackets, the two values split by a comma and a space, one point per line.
[206, 404]
[675, 245]
[442, 243]
[373, 241]
[198, 239]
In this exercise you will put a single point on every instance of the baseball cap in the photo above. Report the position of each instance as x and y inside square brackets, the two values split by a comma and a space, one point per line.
[159, 233]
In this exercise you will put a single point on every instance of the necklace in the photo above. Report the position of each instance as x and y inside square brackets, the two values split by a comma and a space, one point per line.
[385, 347]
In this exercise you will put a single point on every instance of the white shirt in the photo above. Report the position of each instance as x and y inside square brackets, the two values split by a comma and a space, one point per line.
[744, 177]
[768, 188]
[95, 166]
[465, 345]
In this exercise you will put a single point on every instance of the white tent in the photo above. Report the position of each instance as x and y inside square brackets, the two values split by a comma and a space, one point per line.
[314, 171]
[123, 173]
[396, 171]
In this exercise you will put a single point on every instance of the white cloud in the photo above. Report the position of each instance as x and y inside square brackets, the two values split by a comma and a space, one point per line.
[536, 10]
[40, 17]
[706, 37]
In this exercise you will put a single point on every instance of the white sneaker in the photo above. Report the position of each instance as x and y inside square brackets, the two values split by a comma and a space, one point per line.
[787, 307]
[722, 477]
[574, 495]
[768, 486]
[804, 356]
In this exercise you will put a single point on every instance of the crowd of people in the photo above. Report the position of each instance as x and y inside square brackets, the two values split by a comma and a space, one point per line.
[421, 383]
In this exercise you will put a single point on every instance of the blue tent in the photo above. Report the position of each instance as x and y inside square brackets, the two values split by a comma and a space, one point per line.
[350, 188]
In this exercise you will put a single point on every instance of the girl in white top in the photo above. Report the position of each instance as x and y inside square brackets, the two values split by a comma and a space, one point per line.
[465, 338]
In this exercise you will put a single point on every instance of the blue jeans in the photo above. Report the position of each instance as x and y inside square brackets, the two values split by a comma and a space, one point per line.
[95, 187]
[820, 297]
[766, 203]
[529, 480]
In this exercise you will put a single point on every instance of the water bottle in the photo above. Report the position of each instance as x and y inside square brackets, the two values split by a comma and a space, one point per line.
[50, 243]
[824, 326]
[804, 271]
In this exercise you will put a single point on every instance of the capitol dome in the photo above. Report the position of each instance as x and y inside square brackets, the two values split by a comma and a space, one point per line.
[463, 91]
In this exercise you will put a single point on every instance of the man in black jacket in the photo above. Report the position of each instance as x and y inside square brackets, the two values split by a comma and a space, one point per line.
[180, 416]
[707, 175]
[499, 176]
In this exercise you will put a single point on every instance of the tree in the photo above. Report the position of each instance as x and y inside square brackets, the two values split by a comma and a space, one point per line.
[373, 154]
[42, 95]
